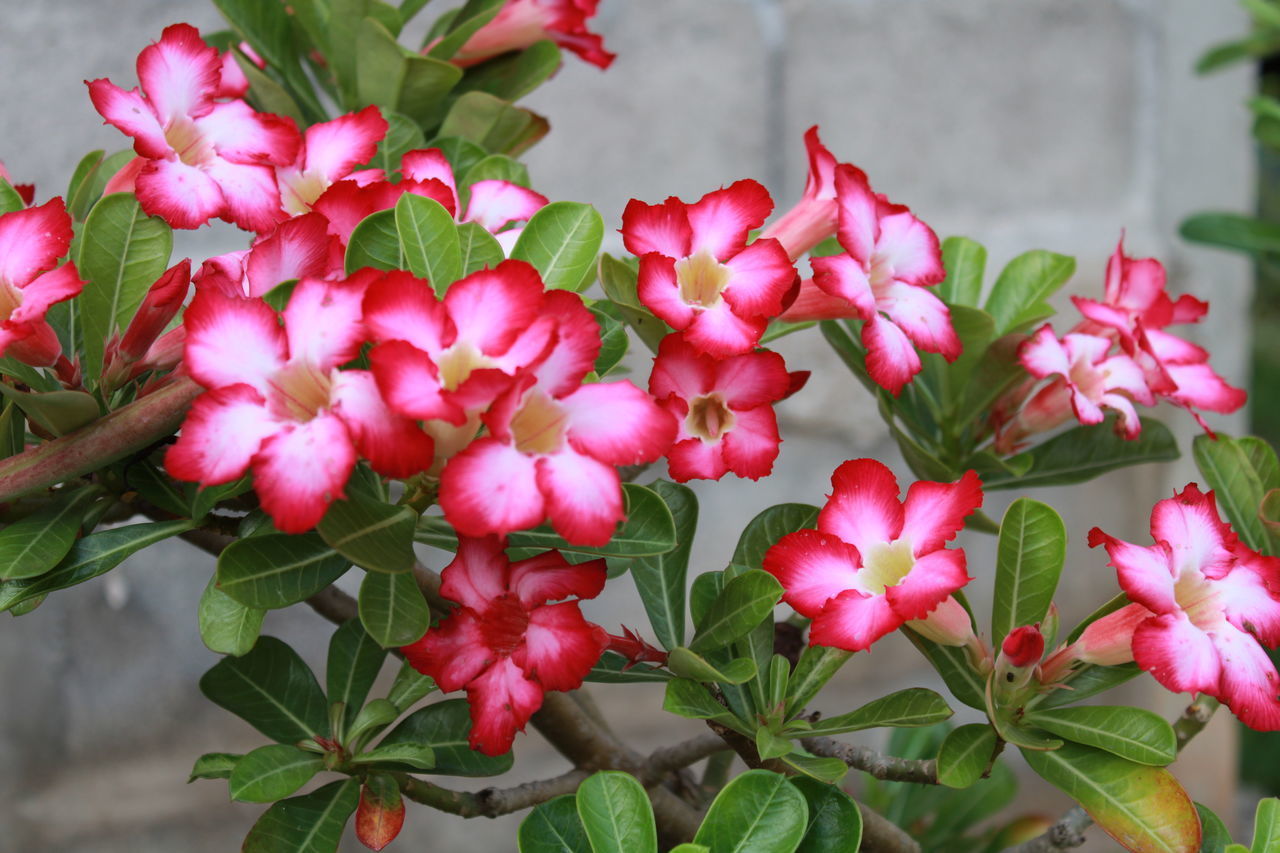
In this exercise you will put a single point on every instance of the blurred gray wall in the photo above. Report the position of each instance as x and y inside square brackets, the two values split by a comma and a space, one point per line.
[1020, 123]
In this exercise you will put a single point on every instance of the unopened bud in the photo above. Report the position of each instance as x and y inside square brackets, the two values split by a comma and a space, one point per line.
[1024, 646]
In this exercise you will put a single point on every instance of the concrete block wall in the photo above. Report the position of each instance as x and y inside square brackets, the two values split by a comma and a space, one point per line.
[1019, 123]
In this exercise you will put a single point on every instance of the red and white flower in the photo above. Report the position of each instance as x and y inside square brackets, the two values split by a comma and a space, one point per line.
[523, 22]
[507, 644]
[198, 157]
[724, 409]
[301, 247]
[32, 241]
[875, 562]
[891, 258]
[813, 218]
[329, 153]
[697, 272]
[278, 403]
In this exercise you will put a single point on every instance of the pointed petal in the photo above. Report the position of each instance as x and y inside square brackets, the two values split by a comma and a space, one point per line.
[1250, 594]
[1043, 354]
[721, 219]
[891, 359]
[132, 115]
[922, 317]
[932, 579]
[394, 445]
[427, 164]
[577, 343]
[1200, 387]
[181, 195]
[334, 148]
[762, 275]
[52, 287]
[662, 228]
[617, 423]
[584, 497]
[223, 430]
[813, 568]
[453, 653]
[180, 73]
[933, 513]
[853, 621]
[1146, 574]
[301, 247]
[241, 135]
[863, 509]
[322, 321]
[549, 577]
[478, 573]
[842, 277]
[560, 647]
[502, 701]
[751, 447]
[495, 204]
[301, 469]
[910, 248]
[1249, 683]
[491, 488]
[858, 219]
[232, 340]
[1178, 654]
[1189, 522]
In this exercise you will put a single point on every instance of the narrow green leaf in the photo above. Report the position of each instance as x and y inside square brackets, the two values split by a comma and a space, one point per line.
[827, 770]
[312, 823]
[33, 545]
[835, 823]
[89, 189]
[227, 626]
[965, 262]
[952, 664]
[615, 812]
[371, 534]
[276, 569]
[513, 75]
[353, 664]
[687, 698]
[966, 754]
[429, 240]
[1132, 733]
[392, 609]
[373, 718]
[915, 706]
[758, 812]
[1030, 554]
[660, 578]
[268, 29]
[1216, 837]
[270, 773]
[1089, 680]
[473, 15]
[1018, 297]
[444, 726]
[816, 666]
[1232, 231]
[770, 745]
[613, 668]
[214, 765]
[689, 664]
[59, 412]
[554, 827]
[562, 241]
[409, 686]
[403, 136]
[1266, 826]
[390, 76]
[740, 606]
[419, 756]
[375, 242]
[265, 94]
[272, 690]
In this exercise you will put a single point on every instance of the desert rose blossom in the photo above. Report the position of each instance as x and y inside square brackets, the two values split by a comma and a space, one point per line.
[198, 157]
[1204, 605]
[301, 247]
[329, 153]
[875, 562]
[277, 402]
[507, 644]
[32, 241]
[699, 275]
[724, 409]
[523, 22]
[814, 217]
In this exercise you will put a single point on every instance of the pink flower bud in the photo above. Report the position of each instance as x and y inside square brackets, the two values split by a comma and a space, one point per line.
[1024, 646]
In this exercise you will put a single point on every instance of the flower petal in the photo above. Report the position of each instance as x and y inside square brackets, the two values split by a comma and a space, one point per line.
[910, 248]
[322, 321]
[721, 219]
[1249, 683]
[933, 513]
[695, 459]
[223, 430]
[584, 497]
[301, 247]
[858, 218]
[751, 447]
[394, 445]
[661, 228]
[1146, 574]
[180, 73]
[891, 359]
[932, 579]
[617, 423]
[550, 577]
[130, 113]
[32, 240]
[922, 317]
[302, 469]
[659, 291]
[491, 488]
[844, 278]
[751, 379]
[410, 383]
[1180, 656]
[560, 646]
[863, 509]
[1190, 523]
[495, 204]
[232, 340]
[334, 148]
[181, 195]
[720, 333]
[453, 653]
[761, 276]
[681, 370]
[502, 701]
[490, 308]
[478, 573]
[252, 197]
[241, 135]
[853, 621]
[813, 568]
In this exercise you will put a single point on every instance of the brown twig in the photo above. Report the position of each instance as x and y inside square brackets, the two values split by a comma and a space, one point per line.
[889, 768]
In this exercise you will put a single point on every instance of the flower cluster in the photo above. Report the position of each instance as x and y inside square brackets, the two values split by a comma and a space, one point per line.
[32, 242]
[1118, 355]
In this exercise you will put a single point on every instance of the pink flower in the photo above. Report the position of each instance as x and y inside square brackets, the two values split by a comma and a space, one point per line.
[197, 157]
[329, 153]
[1204, 606]
[813, 218]
[32, 241]
[278, 403]
[875, 562]
[724, 409]
[553, 442]
[506, 644]
[301, 247]
[891, 258]
[697, 272]
[1084, 381]
[523, 22]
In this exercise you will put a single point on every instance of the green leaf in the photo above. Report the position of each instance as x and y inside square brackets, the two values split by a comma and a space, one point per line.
[495, 125]
[371, 534]
[1087, 681]
[214, 765]
[647, 529]
[1084, 452]
[613, 338]
[554, 827]
[10, 201]
[1236, 484]
[687, 698]
[513, 75]
[660, 578]
[952, 664]
[391, 76]
[835, 823]
[276, 569]
[312, 823]
[826, 770]
[265, 94]
[272, 690]
[1030, 553]
[444, 727]
[1215, 836]
[270, 773]
[915, 706]
[478, 248]
[403, 136]
[227, 626]
[496, 167]
[93, 555]
[1131, 733]
[429, 240]
[392, 609]
[375, 242]
[615, 812]
[770, 525]
[561, 240]
[59, 412]
[613, 668]
[33, 545]
[419, 756]
[1018, 297]
[758, 812]
[816, 666]
[1144, 808]
[769, 745]
[1266, 826]
[740, 606]
[89, 188]
[473, 15]
[689, 664]
[409, 686]
[267, 27]
[690, 847]
[354, 661]
[122, 252]
[965, 755]
[1232, 231]
[965, 262]
[373, 718]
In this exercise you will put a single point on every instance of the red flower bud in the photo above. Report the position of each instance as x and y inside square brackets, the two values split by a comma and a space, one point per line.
[1024, 646]
[381, 812]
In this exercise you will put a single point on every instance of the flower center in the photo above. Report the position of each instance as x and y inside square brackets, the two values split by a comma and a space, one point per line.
[503, 624]
[456, 363]
[1198, 598]
[538, 426]
[299, 391]
[702, 279]
[188, 142]
[881, 272]
[10, 300]
[709, 417]
[885, 564]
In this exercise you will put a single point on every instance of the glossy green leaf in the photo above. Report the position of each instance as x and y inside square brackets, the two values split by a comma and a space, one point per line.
[227, 626]
[689, 664]
[1266, 826]
[827, 770]
[93, 555]
[1084, 452]
[477, 248]
[915, 706]
[1132, 733]
[392, 608]
[444, 726]
[1144, 808]
[429, 240]
[352, 666]
[495, 125]
[770, 525]
[835, 823]
[660, 578]
[375, 242]
[58, 412]
[312, 823]
[647, 529]
[1030, 554]
[513, 75]
[373, 718]
[122, 252]
[758, 812]
[89, 181]
[271, 689]
[952, 664]
[214, 765]
[816, 666]
[562, 241]
[1087, 681]
[690, 847]
[268, 29]
[1215, 836]
[554, 827]
[770, 745]
[496, 167]
[270, 773]
[1018, 297]
[613, 338]
[1232, 231]
[33, 545]
[276, 569]
[391, 76]
[473, 15]
[965, 262]
[10, 201]
[409, 686]
[740, 606]
[419, 756]
[371, 534]
[265, 94]
[965, 755]
[615, 812]
[1236, 484]
[687, 698]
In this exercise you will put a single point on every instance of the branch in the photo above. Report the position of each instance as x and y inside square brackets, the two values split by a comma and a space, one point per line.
[1068, 832]
[886, 767]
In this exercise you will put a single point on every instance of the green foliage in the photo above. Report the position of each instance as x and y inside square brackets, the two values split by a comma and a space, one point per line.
[276, 569]
[740, 606]
[271, 689]
[914, 706]
[35, 544]
[353, 664]
[443, 726]
[615, 812]
[554, 827]
[429, 240]
[1132, 733]
[758, 812]
[1031, 551]
[270, 773]
[372, 534]
[660, 578]
[966, 754]
[312, 823]
[392, 608]
[562, 240]
[227, 626]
